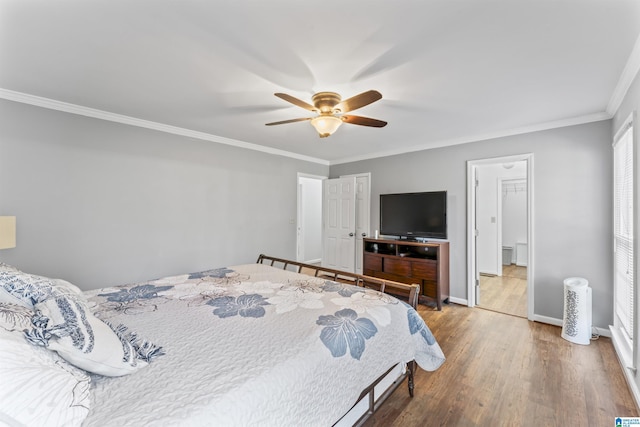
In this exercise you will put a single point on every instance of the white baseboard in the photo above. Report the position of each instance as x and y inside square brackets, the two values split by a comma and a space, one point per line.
[313, 261]
[603, 332]
[547, 320]
[460, 301]
[628, 372]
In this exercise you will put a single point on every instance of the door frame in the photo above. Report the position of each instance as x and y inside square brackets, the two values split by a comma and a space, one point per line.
[472, 266]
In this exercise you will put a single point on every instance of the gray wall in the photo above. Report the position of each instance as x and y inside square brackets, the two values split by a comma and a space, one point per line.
[572, 212]
[101, 203]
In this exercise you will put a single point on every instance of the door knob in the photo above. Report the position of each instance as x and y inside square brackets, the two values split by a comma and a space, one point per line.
[350, 234]
[364, 234]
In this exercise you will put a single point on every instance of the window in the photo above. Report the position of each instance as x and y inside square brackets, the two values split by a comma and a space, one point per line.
[624, 311]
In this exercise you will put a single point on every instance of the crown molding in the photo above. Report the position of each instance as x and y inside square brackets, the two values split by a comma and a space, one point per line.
[66, 107]
[596, 117]
[53, 104]
[629, 73]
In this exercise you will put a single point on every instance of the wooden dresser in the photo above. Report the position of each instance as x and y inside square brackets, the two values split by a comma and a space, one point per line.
[426, 264]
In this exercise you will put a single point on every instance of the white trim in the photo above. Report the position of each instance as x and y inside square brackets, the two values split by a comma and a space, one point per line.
[589, 118]
[627, 355]
[621, 345]
[309, 175]
[132, 121]
[499, 228]
[52, 104]
[629, 73]
[629, 373]
[461, 301]
[603, 332]
[548, 320]
[471, 237]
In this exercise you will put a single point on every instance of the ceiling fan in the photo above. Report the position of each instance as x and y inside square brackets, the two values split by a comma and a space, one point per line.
[330, 109]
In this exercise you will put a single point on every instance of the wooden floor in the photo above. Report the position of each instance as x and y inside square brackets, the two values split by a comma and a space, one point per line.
[503, 370]
[506, 293]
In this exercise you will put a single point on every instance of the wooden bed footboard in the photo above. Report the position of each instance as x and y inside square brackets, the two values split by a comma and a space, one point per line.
[410, 292]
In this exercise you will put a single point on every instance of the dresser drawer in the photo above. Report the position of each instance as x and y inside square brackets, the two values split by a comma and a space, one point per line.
[425, 269]
[396, 278]
[430, 288]
[372, 262]
[397, 266]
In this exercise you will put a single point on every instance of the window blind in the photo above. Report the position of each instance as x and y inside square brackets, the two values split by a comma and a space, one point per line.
[623, 231]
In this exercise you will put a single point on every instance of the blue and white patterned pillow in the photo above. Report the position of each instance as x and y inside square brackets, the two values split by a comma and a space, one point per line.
[17, 287]
[66, 326]
[63, 323]
[37, 387]
[15, 318]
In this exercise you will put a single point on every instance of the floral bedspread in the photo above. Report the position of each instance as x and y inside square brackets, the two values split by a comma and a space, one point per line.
[254, 345]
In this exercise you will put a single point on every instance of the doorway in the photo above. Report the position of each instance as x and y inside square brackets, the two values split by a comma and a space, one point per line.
[309, 221]
[345, 250]
[500, 244]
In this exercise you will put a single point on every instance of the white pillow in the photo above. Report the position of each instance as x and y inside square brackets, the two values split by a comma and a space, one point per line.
[67, 327]
[4, 266]
[63, 284]
[37, 387]
[17, 287]
[15, 317]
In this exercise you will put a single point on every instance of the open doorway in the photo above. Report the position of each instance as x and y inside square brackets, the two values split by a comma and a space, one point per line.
[500, 229]
[309, 222]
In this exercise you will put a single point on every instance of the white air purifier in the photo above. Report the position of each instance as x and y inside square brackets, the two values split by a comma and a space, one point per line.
[576, 324]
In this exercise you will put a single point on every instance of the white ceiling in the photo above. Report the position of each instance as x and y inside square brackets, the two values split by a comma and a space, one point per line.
[450, 71]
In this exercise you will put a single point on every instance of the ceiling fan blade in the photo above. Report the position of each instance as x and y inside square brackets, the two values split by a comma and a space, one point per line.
[296, 101]
[359, 101]
[289, 121]
[364, 121]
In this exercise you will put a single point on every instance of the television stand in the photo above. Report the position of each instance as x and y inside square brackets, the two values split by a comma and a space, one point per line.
[426, 264]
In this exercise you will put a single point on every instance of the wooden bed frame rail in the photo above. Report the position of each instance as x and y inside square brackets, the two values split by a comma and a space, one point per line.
[411, 292]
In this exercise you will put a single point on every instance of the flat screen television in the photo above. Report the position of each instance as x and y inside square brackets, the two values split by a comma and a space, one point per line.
[411, 215]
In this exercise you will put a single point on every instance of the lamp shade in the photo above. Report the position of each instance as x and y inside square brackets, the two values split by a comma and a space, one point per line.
[326, 125]
[7, 232]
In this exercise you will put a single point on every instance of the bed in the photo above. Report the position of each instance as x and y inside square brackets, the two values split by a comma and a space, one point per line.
[254, 344]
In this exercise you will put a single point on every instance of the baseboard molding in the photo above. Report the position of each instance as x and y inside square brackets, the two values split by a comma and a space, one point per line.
[460, 301]
[627, 372]
[313, 261]
[603, 332]
[547, 320]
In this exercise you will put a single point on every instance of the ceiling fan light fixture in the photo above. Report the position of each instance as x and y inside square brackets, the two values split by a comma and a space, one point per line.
[326, 125]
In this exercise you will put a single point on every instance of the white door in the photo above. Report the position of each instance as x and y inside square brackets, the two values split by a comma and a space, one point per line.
[363, 218]
[339, 217]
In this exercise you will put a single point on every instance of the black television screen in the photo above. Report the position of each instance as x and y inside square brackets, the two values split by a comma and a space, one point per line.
[414, 214]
